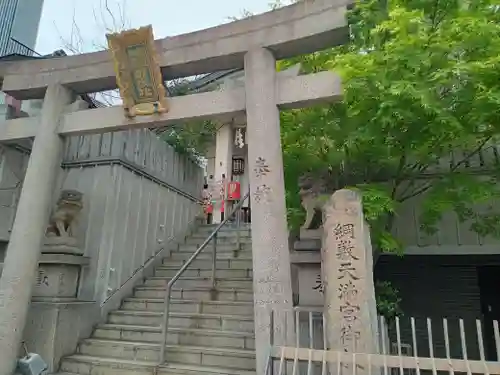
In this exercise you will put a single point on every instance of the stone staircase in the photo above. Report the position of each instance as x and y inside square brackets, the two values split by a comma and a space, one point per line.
[210, 332]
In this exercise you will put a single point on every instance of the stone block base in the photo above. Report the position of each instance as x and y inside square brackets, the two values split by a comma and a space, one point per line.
[308, 285]
[58, 275]
[311, 234]
[54, 327]
[309, 240]
[61, 245]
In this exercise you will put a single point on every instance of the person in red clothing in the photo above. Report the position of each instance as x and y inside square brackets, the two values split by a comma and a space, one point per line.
[208, 206]
[222, 210]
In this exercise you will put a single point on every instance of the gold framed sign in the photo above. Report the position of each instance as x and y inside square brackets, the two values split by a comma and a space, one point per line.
[138, 73]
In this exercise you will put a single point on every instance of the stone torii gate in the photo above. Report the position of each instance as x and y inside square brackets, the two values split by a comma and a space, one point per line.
[253, 44]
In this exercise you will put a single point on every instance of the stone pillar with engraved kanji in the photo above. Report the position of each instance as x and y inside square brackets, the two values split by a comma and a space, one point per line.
[347, 270]
[271, 256]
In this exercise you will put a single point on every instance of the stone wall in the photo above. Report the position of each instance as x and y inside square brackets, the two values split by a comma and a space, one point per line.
[138, 151]
[138, 192]
[139, 198]
[13, 163]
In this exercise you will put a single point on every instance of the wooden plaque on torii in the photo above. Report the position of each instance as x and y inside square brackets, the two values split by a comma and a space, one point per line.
[138, 73]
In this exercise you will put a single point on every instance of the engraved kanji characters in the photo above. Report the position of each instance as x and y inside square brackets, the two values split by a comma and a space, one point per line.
[261, 193]
[319, 284]
[344, 230]
[345, 237]
[261, 167]
[347, 270]
[347, 292]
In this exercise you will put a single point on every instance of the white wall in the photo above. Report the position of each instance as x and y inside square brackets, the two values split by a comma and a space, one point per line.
[125, 221]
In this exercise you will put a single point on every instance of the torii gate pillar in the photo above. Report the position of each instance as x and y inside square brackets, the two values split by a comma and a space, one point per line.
[271, 257]
[23, 252]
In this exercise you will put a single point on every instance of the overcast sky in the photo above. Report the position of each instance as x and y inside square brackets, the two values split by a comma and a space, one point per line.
[168, 17]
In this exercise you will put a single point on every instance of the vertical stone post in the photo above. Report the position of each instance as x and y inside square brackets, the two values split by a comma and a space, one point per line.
[223, 164]
[271, 257]
[27, 235]
[348, 278]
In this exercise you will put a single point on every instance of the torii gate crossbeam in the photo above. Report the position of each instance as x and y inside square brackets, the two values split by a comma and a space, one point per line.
[304, 27]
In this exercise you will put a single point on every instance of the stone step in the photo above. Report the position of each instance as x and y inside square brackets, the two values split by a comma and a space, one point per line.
[228, 232]
[193, 282]
[205, 255]
[221, 247]
[181, 369]
[189, 306]
[171, 271]
[199, 294]
[88, 365]
[183, 320]
[228, 226]
[221, 240]
[206, 264]
[150, 352]
[176, 336]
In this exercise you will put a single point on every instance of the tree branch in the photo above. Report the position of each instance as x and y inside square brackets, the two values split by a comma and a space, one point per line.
[453, 169]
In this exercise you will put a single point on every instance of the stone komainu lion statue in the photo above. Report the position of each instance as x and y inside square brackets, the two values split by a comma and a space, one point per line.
[314, 193]
[68, 206]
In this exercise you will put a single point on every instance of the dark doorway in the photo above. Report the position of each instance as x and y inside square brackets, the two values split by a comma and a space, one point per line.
[489, 287]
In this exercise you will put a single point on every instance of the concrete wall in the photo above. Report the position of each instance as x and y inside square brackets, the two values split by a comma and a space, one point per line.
[13, 165]
[141, 149]
[126, 219]
[452, 237]
[138, 192]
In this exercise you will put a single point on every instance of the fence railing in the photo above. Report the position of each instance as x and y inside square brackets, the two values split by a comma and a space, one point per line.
[234, 214]
[405, 346]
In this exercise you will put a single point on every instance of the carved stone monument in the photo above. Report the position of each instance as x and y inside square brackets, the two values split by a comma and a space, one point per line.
[59, 237]
[347, 272]
[314, 192]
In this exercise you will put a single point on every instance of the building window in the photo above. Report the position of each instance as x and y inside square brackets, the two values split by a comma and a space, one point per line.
[238, 166]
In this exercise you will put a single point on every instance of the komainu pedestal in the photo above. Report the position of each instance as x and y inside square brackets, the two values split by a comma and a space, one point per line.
[58, 276]
[62, 245]
[62, 259]
[57, 318]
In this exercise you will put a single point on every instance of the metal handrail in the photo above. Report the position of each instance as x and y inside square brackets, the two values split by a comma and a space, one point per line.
[179, 273]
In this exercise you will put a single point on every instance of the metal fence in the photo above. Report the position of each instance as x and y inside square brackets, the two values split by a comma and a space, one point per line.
[406, 346]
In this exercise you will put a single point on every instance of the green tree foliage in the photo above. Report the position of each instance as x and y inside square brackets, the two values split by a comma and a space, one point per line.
[421, 102]
[421, 81]
[191, 138]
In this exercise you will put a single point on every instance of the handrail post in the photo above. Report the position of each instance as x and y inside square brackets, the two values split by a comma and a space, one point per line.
[238, 218]
[214, 260]
[166, 312]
